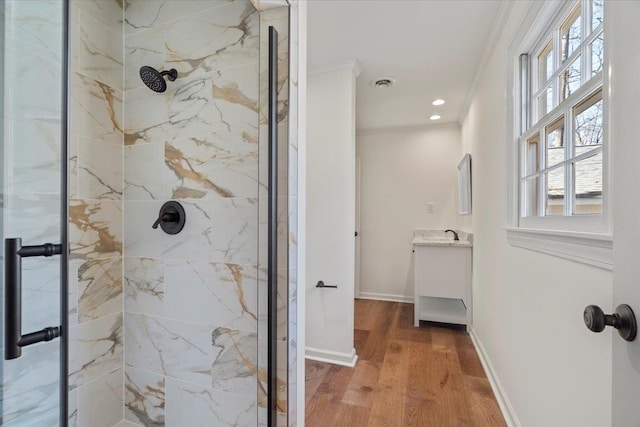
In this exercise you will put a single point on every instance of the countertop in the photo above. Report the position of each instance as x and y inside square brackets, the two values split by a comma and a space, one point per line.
[440, 238]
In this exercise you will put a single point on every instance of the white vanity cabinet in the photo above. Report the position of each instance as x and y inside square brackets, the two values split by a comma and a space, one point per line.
[442, 278]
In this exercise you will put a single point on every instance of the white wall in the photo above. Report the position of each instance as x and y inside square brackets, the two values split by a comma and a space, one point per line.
[330, 214]
[402, 171]
[528, 306]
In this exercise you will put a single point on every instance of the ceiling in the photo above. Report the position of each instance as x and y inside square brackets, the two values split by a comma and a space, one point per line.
[432, 48]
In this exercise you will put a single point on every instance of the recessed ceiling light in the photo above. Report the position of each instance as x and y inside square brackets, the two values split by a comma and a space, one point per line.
[383, 82]
[435, 117]
[438, 101]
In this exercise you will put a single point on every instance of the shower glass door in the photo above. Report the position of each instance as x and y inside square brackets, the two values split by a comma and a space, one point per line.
[32, 61]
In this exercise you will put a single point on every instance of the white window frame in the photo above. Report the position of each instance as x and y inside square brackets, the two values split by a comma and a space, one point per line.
[582, 238]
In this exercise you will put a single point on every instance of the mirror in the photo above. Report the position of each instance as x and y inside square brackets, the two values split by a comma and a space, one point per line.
[464, 185]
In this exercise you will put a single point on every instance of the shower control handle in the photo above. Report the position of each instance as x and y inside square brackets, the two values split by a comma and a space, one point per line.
[166, 217]
[171, 218]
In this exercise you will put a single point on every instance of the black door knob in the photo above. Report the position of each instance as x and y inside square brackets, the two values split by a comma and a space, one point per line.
[623, 320]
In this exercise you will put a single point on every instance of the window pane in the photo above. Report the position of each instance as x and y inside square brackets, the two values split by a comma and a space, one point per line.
[545, 102]
[570, 79]
[588, 125]
[587, 177]
[545, 63]
[597, 13]
[531, 189]
[597, 55]
[532, 158]
[555, 192]
[555, 143]
[571, 33]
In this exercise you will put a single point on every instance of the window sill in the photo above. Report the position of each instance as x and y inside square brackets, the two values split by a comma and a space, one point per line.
[586, 248]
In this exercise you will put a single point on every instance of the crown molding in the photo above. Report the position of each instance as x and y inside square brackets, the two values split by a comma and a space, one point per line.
[352, 65]
[490, 47]
[406, 128]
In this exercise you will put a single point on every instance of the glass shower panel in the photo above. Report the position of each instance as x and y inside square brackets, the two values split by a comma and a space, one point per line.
[32, 118]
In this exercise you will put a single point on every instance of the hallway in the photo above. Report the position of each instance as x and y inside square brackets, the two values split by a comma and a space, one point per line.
[404, 376]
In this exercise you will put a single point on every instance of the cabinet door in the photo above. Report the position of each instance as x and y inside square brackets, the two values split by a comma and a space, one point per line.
[442, 272]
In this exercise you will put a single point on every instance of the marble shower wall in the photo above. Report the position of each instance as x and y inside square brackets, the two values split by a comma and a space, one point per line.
[191, 299]
[96, 187]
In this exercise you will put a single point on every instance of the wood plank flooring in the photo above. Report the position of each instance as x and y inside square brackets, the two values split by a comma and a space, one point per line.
[429, 376]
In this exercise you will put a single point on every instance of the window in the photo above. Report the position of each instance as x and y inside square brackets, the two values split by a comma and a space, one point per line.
[561, 139]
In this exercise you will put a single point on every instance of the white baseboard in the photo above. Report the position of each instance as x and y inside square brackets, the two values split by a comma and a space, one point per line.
[385, 297]
[328, 356]
[508, 412]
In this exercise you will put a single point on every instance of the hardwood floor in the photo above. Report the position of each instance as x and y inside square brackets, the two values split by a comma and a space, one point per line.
[429, 376]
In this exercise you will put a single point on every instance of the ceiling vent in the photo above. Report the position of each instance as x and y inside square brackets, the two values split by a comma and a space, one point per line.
[384, 82]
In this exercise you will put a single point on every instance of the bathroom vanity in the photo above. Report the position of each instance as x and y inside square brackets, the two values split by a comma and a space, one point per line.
[442, 277]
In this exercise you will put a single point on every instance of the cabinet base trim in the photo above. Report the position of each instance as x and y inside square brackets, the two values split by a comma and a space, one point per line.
[334, 357]
[385, 297]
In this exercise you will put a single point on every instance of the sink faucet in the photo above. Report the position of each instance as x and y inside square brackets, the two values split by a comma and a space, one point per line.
[455, 235]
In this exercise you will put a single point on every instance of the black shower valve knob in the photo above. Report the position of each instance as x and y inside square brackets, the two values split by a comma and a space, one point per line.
[171, 218]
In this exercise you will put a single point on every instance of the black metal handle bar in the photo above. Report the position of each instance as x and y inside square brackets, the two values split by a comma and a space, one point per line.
[13, 338]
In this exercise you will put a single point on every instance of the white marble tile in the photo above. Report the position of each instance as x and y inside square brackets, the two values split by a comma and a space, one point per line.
[73, 166]
[109, 12]
[143, 48]
[183, 112]
[73, 408]
[235, 231]
[95, 349]
[278, 18]
[35, 147]
[282, 305]
[30, 95]
[222, 230]
[190, 404]
[224, 37]
[169, 347]
[37, 22]
[193, 242]
[144, 285]
[95, 110]
[217, 294]
[73, 291]
[144, 397]
[40, 298]
[143, 14]
[143, 172]
[95, 228]
[99, 170]
[198, 169]
[283, 87]
[99, 288]
[147, 116]
[235, 361]
[100, 51]
[225, 164]
[282, 355]
[74, 35]
[190, 108]
[36, 219]
[283, 160]
[30, 387]
[100, 401]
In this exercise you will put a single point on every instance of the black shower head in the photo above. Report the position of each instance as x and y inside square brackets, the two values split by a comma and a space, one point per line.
[154, 79]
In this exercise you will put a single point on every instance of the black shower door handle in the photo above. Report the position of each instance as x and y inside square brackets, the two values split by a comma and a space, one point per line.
[13, 338]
